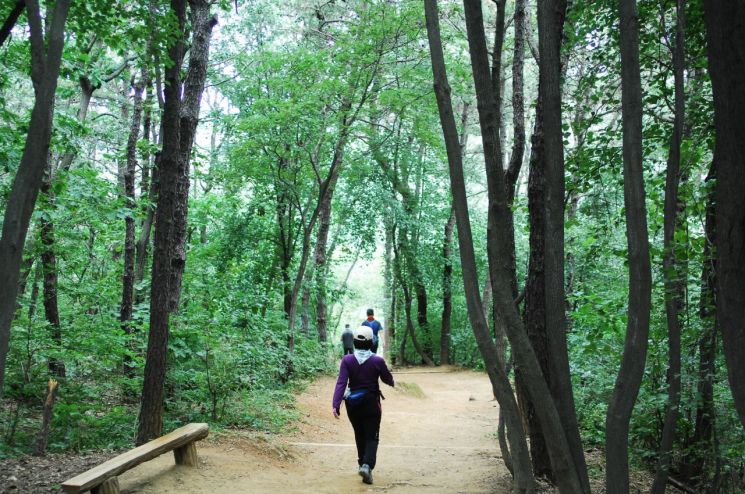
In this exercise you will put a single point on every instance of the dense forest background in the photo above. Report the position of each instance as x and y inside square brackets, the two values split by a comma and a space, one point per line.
[213, 178]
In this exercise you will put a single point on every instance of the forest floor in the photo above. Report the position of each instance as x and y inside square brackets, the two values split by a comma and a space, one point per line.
[437, 435]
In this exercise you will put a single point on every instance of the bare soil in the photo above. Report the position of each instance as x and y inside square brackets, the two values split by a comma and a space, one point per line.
[437, 435]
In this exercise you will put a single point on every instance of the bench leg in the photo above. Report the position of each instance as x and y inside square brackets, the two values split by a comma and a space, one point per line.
[186, 455]
[110, 486]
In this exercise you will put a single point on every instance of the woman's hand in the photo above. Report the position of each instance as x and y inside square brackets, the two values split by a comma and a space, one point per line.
[335, 412]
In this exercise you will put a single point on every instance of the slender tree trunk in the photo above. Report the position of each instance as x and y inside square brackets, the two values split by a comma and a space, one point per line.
[326, 188]
[725, 35]
[498, 230]
[49, 293]
[447, 290]
[389, 290]
[148, 186]
[48, 255]
[634, 357]
[700, 449]
[550, 28]
[305, 309]
[534, 316]
[320, 264]
[11, 20]
[45, 65]
[523, 476]
[674, 279]
[128, 273]
[407, 308]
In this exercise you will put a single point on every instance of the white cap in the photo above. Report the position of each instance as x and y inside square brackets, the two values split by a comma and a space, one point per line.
[363, 333]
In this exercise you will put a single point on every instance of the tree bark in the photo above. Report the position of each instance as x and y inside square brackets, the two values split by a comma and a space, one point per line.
[725, 35]
[634, 357]
[523, 476]
[534, 316]
[128, 273]
[151, 408]
[551, 15]
[11, 20]
[447, 290]
[320, 264]
[673, 279]
[49, 293]
[498, 231]
[45, 66]
[180, 119]
[702, 442]
[199, 51]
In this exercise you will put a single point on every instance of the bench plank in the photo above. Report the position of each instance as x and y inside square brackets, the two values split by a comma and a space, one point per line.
[115, 466]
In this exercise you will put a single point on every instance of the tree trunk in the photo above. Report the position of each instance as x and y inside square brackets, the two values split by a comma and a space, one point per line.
[128, 274]
[11, 20]
[151, 409]
[45, 65]
[674, 280]
[634, 357]
[320, 264]
[407, 308]
[498, 230]
[447, 290]
[199, 50]
[523, 476]
[550, 28]
[725, 35]
[180, 118]
[389, 290]
[325, 188]
[49, 294]
[305, 309]
[534, 316]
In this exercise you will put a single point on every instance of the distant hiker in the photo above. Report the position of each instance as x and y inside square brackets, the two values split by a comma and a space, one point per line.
[362, 370]
[376, 327]
[347, 340]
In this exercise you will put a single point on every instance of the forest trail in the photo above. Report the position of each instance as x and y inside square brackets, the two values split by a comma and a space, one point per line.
[437, 435]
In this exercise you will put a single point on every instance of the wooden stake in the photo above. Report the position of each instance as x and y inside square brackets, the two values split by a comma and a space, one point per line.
[41, 440]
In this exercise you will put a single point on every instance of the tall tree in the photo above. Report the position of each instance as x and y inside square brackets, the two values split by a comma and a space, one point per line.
[523, 476]
[634, 357]
[46, 56]
[180, 117]
[551, 15]
[674, 285]
[498, 231]
[128, 273]
[725, 35]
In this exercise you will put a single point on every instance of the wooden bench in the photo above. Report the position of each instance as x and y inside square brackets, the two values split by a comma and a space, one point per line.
[102, 479]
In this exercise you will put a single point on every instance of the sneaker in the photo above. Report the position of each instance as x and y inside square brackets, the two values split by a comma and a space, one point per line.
[366, 474]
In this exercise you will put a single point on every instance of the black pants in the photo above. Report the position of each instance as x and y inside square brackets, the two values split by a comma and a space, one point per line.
[365, 420]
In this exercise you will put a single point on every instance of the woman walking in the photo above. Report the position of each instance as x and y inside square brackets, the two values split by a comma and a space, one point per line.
[361, 371]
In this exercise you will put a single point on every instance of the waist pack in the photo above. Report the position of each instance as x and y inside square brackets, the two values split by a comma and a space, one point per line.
[356, 399]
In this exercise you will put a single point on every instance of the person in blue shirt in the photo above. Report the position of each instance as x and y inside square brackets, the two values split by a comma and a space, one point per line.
[376, 327]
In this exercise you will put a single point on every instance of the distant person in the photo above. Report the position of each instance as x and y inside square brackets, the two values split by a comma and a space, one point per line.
[347, 340]
[376, 327]
[361, 371]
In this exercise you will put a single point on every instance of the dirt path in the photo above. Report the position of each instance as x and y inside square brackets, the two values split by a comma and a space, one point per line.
[437, 435]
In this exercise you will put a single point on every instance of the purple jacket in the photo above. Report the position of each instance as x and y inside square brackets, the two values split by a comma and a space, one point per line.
[364, 376]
